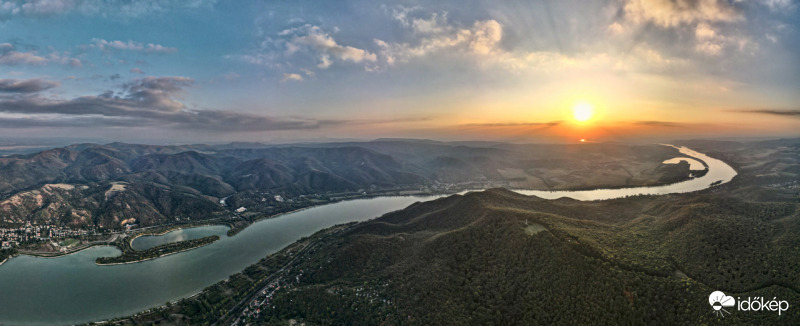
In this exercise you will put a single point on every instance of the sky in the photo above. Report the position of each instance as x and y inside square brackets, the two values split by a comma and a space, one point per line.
[278, 71]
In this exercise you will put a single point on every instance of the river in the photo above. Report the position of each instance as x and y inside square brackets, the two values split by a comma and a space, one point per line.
[73, 289]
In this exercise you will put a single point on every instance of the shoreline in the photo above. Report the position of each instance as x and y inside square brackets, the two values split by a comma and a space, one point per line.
[108, 242]
[156, 257]
[231, 223]
[62, 254]
[228, 224]
[172, 229]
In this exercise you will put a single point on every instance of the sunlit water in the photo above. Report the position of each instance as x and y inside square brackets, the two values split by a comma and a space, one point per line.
[694, 165]
[73, 289]
[718, 173]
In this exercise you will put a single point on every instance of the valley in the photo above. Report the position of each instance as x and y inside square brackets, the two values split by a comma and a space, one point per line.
[619, 232]
[463, 257]
[96, 190]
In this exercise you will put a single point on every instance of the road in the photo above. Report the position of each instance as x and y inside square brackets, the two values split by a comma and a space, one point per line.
[269, 281]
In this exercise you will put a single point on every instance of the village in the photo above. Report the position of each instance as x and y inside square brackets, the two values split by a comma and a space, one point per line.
[11, 237]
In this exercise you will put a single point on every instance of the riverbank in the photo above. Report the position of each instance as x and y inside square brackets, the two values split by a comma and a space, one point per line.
[54, 254]
[239, 287]
[238, 223]
[130, 255]
[171, 229]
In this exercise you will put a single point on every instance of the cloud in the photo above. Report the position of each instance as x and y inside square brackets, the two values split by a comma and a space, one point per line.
[106, 8]
[710, 28]
[131, 46]
[779, 5]
[653, 123]
[146, 102]
[710, 41]
[437, 23]
[784, 113]
[306, 46]
[709, 48]
[481, 43]
[137, 71]
[26, 85]
[670, 13]
[481, 38]
[323, 46]
[515, 124]
[293, 77]
[60, 121]
[10, 57]
[47, 7]
[13, 58]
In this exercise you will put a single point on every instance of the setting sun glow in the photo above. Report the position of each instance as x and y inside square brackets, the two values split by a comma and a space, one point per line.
[582, 111]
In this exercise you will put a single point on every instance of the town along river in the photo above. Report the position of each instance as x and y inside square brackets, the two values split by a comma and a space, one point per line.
[73, 289]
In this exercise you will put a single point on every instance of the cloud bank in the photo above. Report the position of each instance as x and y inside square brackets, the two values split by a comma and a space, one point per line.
[146, 102]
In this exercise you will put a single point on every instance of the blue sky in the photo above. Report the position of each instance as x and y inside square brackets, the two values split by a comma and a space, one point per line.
[203, 70]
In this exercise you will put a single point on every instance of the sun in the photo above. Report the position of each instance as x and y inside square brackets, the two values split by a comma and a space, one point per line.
[583, 111]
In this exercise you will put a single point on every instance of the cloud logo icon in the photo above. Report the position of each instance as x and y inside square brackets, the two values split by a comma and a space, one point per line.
[719, 301]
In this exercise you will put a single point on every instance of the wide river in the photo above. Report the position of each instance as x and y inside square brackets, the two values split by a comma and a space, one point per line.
[73, 289]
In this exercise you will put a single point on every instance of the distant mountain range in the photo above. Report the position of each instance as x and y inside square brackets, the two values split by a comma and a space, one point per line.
[106, 185]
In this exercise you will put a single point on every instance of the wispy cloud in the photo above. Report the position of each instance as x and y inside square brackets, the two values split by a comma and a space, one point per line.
[13, 58]
[654, 123]
[10, 56]
[323, 45]
[309, 47]
[515, 124]
[667, 13]
[292, 77]
[785, 113]
[131, 46]
[25, 85]
[482, 38]
[115, 8]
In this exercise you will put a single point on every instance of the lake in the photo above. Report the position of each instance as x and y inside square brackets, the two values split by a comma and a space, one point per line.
[73, 289]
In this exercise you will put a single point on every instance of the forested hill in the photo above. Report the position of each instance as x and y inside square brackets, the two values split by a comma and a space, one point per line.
[500, 258]
[108, 186]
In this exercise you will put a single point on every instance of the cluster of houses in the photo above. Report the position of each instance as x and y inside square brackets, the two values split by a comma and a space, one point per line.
[262, 300]
[13, 236]
[786, 185]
